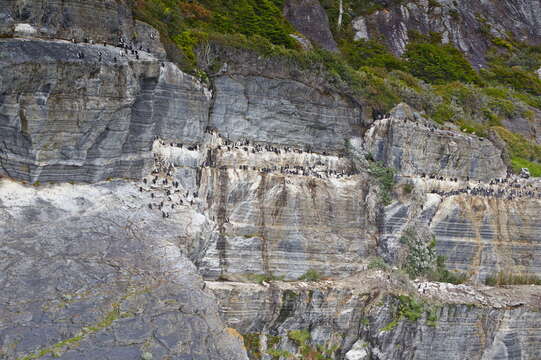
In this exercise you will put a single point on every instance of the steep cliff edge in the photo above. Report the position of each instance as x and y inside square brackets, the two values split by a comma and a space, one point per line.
[148, 213]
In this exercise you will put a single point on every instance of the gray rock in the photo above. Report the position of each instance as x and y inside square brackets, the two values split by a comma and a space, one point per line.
[350, 313]
[310, 19]
[282, 111]
[89, 272]
[458, 23]
[92, 119]
[413, 145]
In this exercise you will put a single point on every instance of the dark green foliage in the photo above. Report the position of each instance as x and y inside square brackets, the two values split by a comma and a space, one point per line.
[411, 309]
[421, 256]
[179, 20]
[515, 77]
[377, 263]
[510, 53]
[438, 64]
[408, 188]
[370, 53]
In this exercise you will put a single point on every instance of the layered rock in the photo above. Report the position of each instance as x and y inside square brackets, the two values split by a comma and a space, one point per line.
[486, 236]
[255, 194]
[479, 235]
[266, 176]
[414, 146]
[361, 318]
[85, 112]
[76, 20]
[282, 111]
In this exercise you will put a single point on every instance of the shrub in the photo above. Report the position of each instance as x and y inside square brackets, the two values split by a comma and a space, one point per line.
[522, 152]
[441, 274]
[438, 64]
[411, 309]
[177, 19]
[421, 256]
[307, 351]
[370, 53]
[260, 278]
[377, 263]
[310, 275]
[385, 177]
[515, 78]
[408, 188]
[252, 344]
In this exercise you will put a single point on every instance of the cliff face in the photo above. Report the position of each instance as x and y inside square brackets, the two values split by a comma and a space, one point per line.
[360, 316]
[263, 173]
[469, 25]
[414, 146]
[90, 272]
[309, 18]
[92, 118]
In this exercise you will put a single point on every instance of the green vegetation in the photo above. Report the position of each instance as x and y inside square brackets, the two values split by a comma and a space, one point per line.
[523, 153]
[411, 309]
[260, 278]
[421, 255]
[441, 274]
[184, 23]
[432, 77]
[277, 354]
[302, 339]
[310, 275]
[252, 344]
[385, 178]
[370, 53]
[408, 188]
[436, 63]
[377, 263]
[503, 278]
[423, 261]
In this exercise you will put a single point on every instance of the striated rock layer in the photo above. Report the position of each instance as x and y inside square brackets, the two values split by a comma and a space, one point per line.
[414, 146]
[360, 319]
[69, 119]
[269, 171]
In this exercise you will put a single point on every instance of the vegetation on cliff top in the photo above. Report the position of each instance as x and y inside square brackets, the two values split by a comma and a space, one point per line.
[432, 77]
